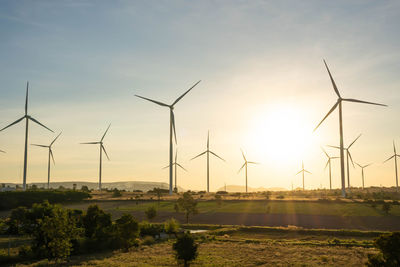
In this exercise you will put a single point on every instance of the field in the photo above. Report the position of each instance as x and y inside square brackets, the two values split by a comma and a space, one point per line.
[232, 247]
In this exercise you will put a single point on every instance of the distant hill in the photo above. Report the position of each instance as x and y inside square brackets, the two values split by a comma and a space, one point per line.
[240, 188]
[129, 186]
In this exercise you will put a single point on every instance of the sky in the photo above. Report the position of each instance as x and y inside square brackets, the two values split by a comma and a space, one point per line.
[263, 88]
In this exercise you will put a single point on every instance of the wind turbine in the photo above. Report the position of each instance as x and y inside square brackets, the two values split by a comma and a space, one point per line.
[171, 128]
[328, 163]
[339, 104]
[176, 164]
[52, 157]
[303, 171]
[245, 165]
[362, 172]
[2, 151]
[101, 152]
[208, 151]
[395, 165]
[348, 155]
[27, 118]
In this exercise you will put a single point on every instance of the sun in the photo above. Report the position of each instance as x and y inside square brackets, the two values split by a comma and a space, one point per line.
[280, 134]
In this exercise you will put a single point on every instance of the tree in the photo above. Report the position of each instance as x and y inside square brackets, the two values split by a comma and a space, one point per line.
[185, 249]
[116, 193]
[84, 188]
[389, 246]
[218, 199]
[127, 230]
[386, 207]
[97, 224]
[158, 192]
[18, 220]
[171, 226]
[74, 187]
[188, 204]
[151, 213]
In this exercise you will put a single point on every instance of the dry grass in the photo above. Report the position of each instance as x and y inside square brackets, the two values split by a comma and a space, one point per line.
[217, 253]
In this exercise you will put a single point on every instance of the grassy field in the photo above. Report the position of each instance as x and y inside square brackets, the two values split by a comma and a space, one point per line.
[248, 206]
[247, 246]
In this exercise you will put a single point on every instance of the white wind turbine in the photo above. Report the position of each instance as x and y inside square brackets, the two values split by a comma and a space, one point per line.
[303, 171]
[245, 165]
[172, 130]
[339, 104]
[208, 152]
[362, 172]
[395, 165]
[176, 164]
[100, 143]
[329, 163]
[50, 156]
[348, 156]
[27, 119]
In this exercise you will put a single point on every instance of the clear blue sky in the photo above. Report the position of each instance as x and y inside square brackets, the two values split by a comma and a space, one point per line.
[261, 68]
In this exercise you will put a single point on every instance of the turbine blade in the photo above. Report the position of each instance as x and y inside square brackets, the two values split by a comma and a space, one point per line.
[243, 155]
[299, 172]
[326, 116]
[253, 162]
[394, 147]
[39, 145]
[105, 152]
[325, 152]
[351, 159]
[368, 165]
[307, 171]
[334, 147]
[179, 165]
[55, 139]
[26, 98]
[333, 82]
[105, 132]
[90, 143]
[208, 140]
[173, 125]
[217, 156]
[154, 101]
[52, 157]
[241, 167]
[176, 155]
[390, 158]
[2, 151]
[327, 163]
[201, 154]
[364, 102]
[15, 122]
[359, 165]
[179, 98]
[34, 120]
[165, 167]
[353, 141]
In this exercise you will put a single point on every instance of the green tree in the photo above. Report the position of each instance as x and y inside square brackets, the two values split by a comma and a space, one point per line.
[188, 205]
[386, 207]
[218, 199]
[185, 249]
[158, 192]
[389, 246]
[18, 220]
[97, 224]
[126, 231]
[151, 213]
[84, 188]
[171, 226]
[116, 193]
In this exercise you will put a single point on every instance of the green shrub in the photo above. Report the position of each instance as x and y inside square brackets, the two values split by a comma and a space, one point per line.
[116, 193]
[151, 213]
[126, 231]
[389, 247]
[185, 249]
[149, 229]
[171, 226]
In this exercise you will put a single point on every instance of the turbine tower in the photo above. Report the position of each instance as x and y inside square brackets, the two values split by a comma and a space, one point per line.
[101, 152]
[339, 104]
[176, 164]
[208, 152]
[362, 172]
[27, 119]
[245, 165]
[52, 157]
[395, 165]
[348, 155]
[328, 163]
[171, 128]
[303, 171]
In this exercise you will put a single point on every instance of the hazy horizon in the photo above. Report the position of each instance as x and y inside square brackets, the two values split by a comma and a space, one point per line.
[264, 93]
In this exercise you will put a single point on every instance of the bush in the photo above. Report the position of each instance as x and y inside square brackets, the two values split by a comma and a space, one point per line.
[126, 231]
[148, 240]
[386, 207]
[171, 226]
[185, 249]
[149, 229]
[97, 224]
[389, 246]
[151, 213]
[116, 193]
